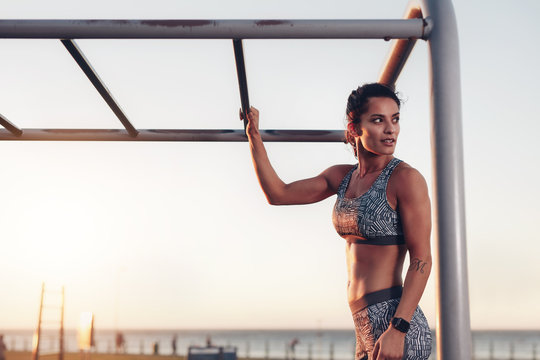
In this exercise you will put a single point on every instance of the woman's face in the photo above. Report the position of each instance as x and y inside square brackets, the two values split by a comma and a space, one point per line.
[378, 129]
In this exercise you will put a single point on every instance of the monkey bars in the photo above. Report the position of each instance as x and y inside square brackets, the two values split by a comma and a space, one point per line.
[412, 27]
[431, 20]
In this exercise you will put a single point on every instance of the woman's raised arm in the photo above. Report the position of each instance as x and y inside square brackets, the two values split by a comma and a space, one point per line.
[277, 192]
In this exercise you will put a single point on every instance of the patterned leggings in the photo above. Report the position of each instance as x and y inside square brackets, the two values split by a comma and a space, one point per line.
[373, 320]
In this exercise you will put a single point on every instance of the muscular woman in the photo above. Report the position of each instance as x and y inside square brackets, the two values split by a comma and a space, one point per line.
[382, 212]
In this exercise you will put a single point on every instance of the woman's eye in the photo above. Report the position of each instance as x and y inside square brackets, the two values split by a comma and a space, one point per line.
[396, 119]
[377, 120]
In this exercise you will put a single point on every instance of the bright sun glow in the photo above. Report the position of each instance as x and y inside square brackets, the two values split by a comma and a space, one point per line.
[57, 245]
[86, 325]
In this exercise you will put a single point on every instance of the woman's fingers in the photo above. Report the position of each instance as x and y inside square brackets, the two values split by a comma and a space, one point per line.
[250, 111]
[376, 349]
[252, 117]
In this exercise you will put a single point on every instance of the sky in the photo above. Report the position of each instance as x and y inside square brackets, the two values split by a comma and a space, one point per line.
[179, 235]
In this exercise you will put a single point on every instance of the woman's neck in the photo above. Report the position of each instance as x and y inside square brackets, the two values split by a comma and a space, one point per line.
[369, 163]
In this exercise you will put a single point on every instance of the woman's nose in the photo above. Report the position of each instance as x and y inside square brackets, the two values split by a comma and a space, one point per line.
[390, 128]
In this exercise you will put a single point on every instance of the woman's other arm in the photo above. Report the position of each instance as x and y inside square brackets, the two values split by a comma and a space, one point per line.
[415, 213]
[277, 192]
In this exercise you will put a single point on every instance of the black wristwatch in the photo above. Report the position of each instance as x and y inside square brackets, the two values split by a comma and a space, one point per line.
[401, 324]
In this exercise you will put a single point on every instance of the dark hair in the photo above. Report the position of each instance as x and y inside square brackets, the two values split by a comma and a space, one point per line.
[357, 105]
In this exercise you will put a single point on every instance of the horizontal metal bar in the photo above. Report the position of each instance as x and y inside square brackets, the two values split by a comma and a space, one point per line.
[234, 135]
[9, 126]
[212, 29]
[98, 84]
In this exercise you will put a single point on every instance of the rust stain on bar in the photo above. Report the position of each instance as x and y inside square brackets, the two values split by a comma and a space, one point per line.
[270, 22]
[99, 22]
[177, 23]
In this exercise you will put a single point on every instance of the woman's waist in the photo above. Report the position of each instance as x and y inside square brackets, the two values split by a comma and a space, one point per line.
[369, 265]
[362, 284]
[370, 297]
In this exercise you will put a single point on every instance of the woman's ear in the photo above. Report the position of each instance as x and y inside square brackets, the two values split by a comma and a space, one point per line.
[351, 127]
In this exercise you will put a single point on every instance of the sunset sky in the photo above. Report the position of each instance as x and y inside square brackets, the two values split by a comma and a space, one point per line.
[178, 235]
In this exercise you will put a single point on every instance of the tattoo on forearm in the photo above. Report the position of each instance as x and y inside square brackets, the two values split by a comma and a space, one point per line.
[417, 265]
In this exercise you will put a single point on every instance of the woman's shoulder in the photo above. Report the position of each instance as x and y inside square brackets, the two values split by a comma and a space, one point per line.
[407, 177]
[335, 174]
[339, 170]
[404, 169]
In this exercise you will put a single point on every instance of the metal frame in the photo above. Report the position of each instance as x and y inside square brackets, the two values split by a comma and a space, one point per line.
[233, 135]
[431, 20]
[242, 78]
[401, 49]
[212, 29]
[68, 30]
[98, 84]
[453, 318]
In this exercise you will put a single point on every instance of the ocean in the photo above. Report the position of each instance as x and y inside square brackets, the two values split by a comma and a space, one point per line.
[271, 344]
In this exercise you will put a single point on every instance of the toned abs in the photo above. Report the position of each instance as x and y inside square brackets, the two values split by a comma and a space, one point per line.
[368, 268]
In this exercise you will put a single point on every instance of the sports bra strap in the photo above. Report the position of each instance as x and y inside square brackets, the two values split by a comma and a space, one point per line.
[345, 182]
[387, 171]
[382, 178]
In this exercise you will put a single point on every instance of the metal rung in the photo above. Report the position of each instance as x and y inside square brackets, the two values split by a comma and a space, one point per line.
[213, 29]
[9, 126]
[57, 292]
[50, 322]
[99, 85]
[242, 78]
[400, 51]
[234, 135]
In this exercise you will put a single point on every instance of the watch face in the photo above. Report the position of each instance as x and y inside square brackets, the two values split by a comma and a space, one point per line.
[401, 324]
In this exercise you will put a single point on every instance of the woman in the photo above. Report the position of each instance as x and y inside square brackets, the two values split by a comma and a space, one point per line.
[382, 211]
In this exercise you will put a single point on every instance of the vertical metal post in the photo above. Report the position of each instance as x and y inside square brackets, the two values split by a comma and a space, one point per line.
[37, 335]
[453, 321]
[61, 350]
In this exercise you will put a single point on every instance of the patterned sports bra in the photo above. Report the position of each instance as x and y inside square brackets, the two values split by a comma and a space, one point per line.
[369, 216]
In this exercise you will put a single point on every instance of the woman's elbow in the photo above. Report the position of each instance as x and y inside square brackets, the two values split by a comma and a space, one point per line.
[279, 198]
[274, 200]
